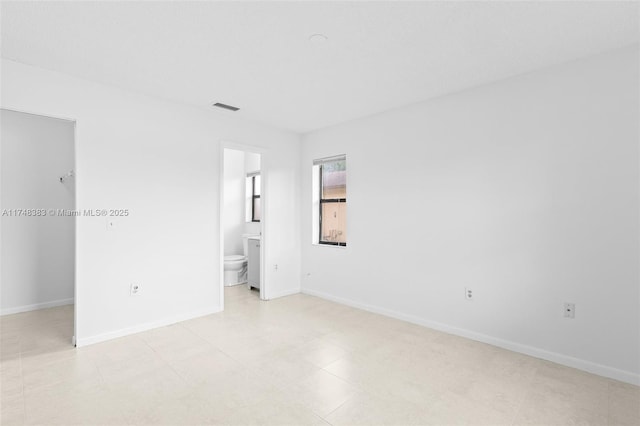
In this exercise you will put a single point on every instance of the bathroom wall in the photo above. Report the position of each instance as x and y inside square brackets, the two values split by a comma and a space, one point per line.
[37, 254]
[252, 164]
[236, 166]
[234, 201]
[525, 191]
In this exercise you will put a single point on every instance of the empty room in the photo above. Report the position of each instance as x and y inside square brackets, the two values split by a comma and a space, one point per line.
[320, 213]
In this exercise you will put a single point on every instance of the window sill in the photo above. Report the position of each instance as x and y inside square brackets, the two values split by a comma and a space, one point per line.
[329, 245]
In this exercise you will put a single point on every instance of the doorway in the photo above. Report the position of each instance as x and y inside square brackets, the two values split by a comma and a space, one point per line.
[38, 223]
[242, 223]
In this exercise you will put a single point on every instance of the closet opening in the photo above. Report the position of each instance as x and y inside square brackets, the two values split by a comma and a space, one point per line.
[37, 233]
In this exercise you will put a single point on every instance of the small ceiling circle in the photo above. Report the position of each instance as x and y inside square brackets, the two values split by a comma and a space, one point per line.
[318, 38]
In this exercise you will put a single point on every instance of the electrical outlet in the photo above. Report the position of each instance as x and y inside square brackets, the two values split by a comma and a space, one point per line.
[570, 310]
[468, 293]
[134, 290]
[275, 266]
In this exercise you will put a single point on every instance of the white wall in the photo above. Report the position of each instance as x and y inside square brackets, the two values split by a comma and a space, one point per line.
[525, 191]
[234, 200]
[37, 252]
[252, 162]
[161, 160]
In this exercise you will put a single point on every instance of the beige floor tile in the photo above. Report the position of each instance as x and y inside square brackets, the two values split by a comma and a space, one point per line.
[355, 368]
[235, 390]
[182, 351]
[503, 396]
[59, 393]
[214, 329]
[182, 411]
[175, 342]
[8, 357]
[38, 359]
[320, 352]
[283, 368]
[65, 393]
[398, 386]
[97, 407]
[12, 399]
[12, 390]
[142, 400]
[322, 392]
[454, 409]
[43, 318]
[251, 350]
[9, 344]
[364, 409]
[274, 412]
[128, 370]
[45, 338]
[75, 369]
[12, 414]
[11, 368]
[297, 360]
[117, 350]
[624, 404]
[206, 367]
[549, 409]
[353, 340]
[571, 388]
[205, 405]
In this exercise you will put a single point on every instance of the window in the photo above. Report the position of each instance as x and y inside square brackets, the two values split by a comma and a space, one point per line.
[253, 188]
[331, 186]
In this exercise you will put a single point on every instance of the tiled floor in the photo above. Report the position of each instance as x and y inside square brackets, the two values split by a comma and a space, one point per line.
[297, 360]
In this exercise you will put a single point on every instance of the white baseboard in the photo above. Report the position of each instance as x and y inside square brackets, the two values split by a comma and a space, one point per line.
[591, 367]
[284, 293]
[85, 341]
[36, 306]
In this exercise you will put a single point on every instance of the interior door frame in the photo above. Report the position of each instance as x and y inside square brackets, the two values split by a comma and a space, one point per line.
[74, 122]
[264, 202]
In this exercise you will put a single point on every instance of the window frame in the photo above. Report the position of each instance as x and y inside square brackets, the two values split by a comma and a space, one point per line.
[322, 201]
[253, 199]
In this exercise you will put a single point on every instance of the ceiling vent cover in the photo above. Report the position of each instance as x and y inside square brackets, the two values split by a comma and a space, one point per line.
[225, 106]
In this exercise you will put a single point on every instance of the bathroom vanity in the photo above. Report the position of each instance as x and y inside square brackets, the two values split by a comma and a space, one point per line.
[253, 263]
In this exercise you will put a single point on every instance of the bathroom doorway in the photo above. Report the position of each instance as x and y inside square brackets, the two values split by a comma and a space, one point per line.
[38, 228]
[242, 223]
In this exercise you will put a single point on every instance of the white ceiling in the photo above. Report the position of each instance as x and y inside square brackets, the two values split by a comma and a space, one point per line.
[257, 56]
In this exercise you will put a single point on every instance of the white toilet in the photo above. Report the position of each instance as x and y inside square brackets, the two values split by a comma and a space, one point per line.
[235, 265]
[235, 269]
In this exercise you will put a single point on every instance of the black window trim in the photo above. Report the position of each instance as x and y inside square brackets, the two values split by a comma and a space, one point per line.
[323, 201]
[253, 198]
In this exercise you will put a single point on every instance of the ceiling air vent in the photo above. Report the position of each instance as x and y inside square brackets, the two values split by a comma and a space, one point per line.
[224, 106]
